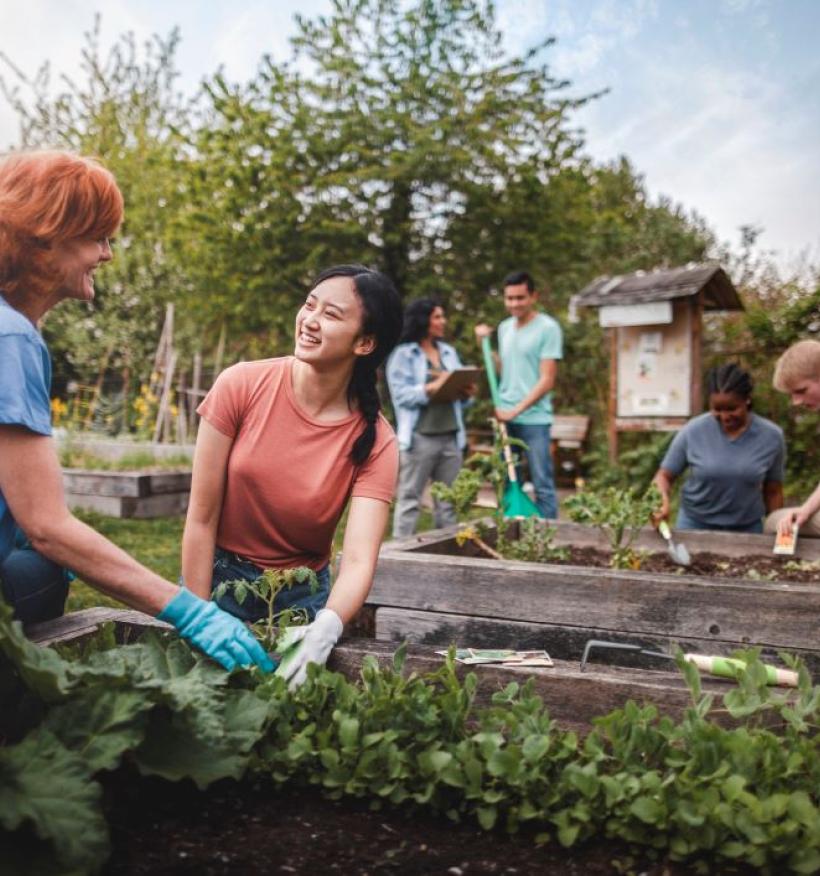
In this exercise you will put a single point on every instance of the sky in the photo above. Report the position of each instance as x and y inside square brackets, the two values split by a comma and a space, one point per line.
[715, 102]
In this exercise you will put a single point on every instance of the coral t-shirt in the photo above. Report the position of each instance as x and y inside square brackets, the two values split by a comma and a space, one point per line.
[289, 476]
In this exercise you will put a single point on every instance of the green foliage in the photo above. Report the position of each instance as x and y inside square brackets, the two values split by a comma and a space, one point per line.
[531, 541]
[693, 790]
[77, 458]
[620, 514]
[266, 588]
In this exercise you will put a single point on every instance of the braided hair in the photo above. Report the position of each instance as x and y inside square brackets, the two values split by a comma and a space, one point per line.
[730, 378]
[382, 318]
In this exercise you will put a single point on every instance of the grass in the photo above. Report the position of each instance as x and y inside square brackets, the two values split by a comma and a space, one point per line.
[154, 543]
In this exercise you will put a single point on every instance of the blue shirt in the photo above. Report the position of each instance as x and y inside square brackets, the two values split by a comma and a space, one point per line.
[726, 475]
[25, 383]
[521, 351]
[406, 376]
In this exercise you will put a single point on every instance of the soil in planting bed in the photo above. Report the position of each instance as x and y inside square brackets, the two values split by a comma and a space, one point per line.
[710, 565]
[253, 828]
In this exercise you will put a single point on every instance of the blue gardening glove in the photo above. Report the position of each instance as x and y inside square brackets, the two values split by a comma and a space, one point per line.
[310, 644]
[220, 635]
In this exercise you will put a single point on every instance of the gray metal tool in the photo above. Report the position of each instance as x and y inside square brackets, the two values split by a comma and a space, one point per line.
[677, 551]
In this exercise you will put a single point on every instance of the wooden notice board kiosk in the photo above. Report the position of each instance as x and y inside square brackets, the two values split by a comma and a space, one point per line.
[655, 321]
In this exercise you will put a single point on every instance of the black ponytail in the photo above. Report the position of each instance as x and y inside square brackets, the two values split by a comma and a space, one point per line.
[382, 318]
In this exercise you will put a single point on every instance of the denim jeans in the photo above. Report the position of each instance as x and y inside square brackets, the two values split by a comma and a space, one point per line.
[686, 521]
[431, 458]
[230, 567]
[32, 585]
[539, 459]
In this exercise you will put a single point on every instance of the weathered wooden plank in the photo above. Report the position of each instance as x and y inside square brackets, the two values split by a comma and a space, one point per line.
[729, 544]
[560, 642]
[105, 483]
[765, 613]
[79, 624]
[573, 697]
[169, 482]
[161, 505]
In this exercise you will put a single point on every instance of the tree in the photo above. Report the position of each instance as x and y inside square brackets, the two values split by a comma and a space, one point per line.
[126, 111]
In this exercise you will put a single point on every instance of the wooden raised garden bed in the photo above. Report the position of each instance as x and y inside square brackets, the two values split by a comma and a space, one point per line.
[141, 494]
[429, 590]
[572, 697]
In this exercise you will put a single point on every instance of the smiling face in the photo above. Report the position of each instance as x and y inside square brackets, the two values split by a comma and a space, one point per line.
[329, 323]
[75, 262]
[438, 324]
[519, 301]
[805, 392]
[730, 409]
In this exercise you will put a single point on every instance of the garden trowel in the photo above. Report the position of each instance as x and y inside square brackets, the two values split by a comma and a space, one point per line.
[677, 551]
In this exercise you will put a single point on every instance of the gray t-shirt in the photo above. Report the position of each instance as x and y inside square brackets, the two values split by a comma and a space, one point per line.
[726, 476]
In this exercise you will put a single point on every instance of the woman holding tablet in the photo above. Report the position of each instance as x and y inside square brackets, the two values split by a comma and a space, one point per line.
[431, 434]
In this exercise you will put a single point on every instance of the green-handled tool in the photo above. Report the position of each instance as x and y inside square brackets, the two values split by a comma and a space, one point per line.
[516, 503]
[713, 664]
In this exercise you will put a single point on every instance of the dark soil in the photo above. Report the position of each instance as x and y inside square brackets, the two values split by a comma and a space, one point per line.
[253, 828]
[760, 568]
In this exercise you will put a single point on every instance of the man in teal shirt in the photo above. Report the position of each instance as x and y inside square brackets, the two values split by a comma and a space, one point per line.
[529, 345]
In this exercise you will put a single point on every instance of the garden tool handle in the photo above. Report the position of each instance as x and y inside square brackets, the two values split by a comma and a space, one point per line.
[489, 365]
[508, 457]
[726, 667]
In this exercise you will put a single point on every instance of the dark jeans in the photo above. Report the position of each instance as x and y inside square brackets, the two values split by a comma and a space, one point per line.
[539, 459]
[33, 586]
[230, 567]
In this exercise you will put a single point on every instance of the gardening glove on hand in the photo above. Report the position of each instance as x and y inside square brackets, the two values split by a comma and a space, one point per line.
[311, 644]
[220, 635]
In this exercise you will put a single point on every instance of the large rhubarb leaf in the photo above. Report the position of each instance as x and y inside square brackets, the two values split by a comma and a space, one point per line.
[175, 750]
[42, 670]
[43, 783]
[99, 725]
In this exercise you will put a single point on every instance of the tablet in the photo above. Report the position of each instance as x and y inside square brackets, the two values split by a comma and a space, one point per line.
[456, 381]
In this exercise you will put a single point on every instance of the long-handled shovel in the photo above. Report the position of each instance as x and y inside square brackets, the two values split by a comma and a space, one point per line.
[516, 503]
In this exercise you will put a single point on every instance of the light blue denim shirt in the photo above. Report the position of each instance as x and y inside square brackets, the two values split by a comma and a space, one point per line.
[406, 376]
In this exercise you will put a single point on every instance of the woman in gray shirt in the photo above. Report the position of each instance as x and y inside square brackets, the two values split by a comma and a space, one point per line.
[735, 460]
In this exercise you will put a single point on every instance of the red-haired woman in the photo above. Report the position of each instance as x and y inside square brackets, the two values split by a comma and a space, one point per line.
[57, 212]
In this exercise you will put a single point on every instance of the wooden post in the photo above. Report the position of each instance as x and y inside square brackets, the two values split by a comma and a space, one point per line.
[162, 411]
[696, 328]
[193, 393]
[612, 414]
[220, 352]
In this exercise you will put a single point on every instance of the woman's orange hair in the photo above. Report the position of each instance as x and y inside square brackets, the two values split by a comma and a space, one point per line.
[48, 198]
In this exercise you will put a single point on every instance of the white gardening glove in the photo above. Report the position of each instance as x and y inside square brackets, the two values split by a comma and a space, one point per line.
[310, 644]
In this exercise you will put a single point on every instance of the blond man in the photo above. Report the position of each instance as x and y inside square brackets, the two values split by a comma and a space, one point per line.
[797, 373]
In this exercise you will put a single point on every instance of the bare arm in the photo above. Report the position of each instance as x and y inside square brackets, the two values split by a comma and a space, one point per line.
[366, 522]
[772, 495]
[205, 508]
[663, 480]
[31, 482]
[548, 369]
[800, 515]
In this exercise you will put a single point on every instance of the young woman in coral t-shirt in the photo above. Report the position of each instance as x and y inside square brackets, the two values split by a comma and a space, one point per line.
[283, 446]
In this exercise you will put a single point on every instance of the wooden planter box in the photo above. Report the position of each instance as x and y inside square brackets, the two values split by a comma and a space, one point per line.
[573, 698]
[428, 591]
[128, 493]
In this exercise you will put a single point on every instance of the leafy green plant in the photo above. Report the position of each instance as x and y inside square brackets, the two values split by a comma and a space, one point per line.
[534, 541]
[266, 588]
[620, 514]
[692, 789]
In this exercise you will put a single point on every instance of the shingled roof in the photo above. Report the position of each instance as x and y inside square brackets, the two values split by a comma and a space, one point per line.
[663, 285]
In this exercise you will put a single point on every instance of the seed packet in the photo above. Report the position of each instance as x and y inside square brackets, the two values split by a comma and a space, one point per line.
[785, 545]
[505, 656]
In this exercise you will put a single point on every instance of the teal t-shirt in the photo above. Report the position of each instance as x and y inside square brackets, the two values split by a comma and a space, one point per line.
[521, 351]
